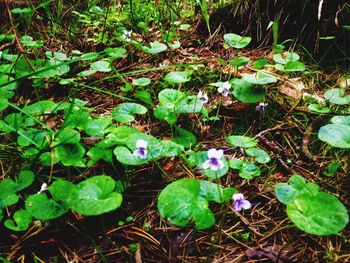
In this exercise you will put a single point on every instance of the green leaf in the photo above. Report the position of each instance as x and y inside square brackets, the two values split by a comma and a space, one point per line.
[336, 96]
[67, 136]
[61, 191]
[286, 57]
[125, 156]
[141, 82]
[242, 141]
[116, 53]
[20, 222]
[171, 98]
[185, 138]
[178, 77]
[259, 155]
[171, 149]
[286, 193]
[260, 78]
[98, 127]
[332, 169]
[125, 112]
[89, 56]
[336, 135]
[164, 113]
[239, 61]
[318, 108]
[144, 96]
[247, 92]
[95, 196]
[185, 202]
[9, 87]
[100, 151]
[120, 134]
[71, 154]
[101, 66]
[24, 179]
[155, 48]
[8, 195]
[294, 66]
[345, 120]
[237, 41]
[40, 207]
[246, 169]
[260, 63]
[321, 214]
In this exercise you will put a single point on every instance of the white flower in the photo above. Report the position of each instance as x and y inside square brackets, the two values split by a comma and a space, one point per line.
[141, 150]
[43, 188]
[203, 97]
[225, 88]
[261, 107]
[127, 35]
[214, 161]
[239, 202]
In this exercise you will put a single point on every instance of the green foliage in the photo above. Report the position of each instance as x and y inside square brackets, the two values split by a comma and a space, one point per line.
[186, 202]
[312, 211]
[237, 41]
[125, 112]
[241, 141]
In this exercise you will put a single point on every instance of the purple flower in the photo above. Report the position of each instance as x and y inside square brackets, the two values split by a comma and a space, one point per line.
[225, 88]
[214, 161]
[261, 107]
[141, 150]
[202, 97]
[239, 202]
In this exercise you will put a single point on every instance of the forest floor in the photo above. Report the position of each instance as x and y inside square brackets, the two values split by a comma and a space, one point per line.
[135, 232]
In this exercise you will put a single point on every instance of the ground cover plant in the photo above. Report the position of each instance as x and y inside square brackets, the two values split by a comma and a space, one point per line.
[129, 136]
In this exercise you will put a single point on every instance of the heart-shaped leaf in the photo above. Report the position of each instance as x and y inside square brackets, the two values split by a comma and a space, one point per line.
[321, 214]
[336, 135]
[242, 141]
[345, 120]
[260, 78]
[171, 98]
[98, 127]
[185, 202]
[237, 41]
[294, 66]
[178, 77]
[318, 108]
[336, 96]
[40, 207]
[141, 82]
[155, 48]
[247, 92]
[20, 222]
[246, 169]
[67, 136]
[96, 196]
[125, 112]
[24, 179]
[239, 61]
[259, 155]
[101, 66]
[285, 57]
[71, 154]
[185, 138]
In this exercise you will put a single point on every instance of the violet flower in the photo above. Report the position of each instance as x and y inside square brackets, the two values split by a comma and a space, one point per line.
[202, 97]
[141, 150]
[225, 88]
[214, 161]
[261, 107]
[240, 203]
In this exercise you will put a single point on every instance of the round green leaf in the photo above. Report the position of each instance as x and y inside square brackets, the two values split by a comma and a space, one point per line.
[185, 138]
[20, 222]
[242, 141]
[125, 156]
[285, 193]
[260, 78]
[237, 41]
[321, 214]
[171, 98]
[247, 92]
[185, 202]
[336, 96]
[71, 154]
[345, 120]
[120, 134]
[24, 179]
[96, 196]
[239, 61]
[141, 82]
[318, 108]
[260, 63]
[285, 57]
[67, 136]
[293, 66]
[259, 155]
[155, 48]
[337, 135]
[125, 112]
[98, 127]
[101, 66]
[40, 207]
[246, 170]
[178, 77]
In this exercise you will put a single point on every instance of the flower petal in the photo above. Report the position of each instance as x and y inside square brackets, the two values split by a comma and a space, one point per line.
[246, 204]
[221, 164]
[237, 206]
[213, 153]
[141, 143]
[236, 197]
[206, 164]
